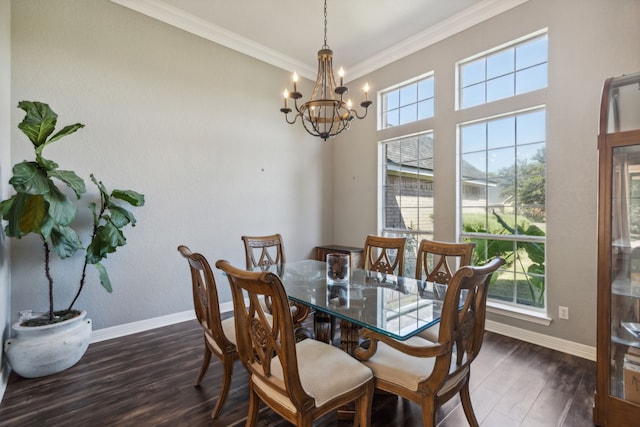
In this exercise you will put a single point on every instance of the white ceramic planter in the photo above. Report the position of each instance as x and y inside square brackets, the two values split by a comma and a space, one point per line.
[37, 351]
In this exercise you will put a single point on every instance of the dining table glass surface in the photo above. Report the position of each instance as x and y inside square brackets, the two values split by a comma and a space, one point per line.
[397, 306]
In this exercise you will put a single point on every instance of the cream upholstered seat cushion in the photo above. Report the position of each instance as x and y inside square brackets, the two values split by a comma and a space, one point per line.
[431, 333]
[399, 368]
[325, 373]
[402, 369]
[407, 371]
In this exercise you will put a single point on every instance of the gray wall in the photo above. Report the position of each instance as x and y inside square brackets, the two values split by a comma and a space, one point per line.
[589, 40]
[194, 126]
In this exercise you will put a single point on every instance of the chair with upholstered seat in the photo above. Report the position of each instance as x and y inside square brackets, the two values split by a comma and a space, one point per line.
[263, 252]
[219, 335]
[384, 254]
[431, 373]
[303, 380]
[436, 262]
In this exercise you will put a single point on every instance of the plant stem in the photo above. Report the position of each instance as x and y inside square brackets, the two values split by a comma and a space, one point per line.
[96, 221]
[49, 278]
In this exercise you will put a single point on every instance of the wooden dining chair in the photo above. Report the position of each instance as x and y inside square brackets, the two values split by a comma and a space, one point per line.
[265, 251]
[384, 254]
[219, 335]
[303, 380]
[436, 262]
[431, 373]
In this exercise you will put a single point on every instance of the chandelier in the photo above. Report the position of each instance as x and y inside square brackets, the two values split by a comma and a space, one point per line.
[325, 114]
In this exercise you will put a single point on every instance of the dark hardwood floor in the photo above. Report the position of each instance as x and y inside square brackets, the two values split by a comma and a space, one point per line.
[146, 379]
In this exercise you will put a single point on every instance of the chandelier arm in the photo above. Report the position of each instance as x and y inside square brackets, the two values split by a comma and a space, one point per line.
[366, 110]
[295, 118]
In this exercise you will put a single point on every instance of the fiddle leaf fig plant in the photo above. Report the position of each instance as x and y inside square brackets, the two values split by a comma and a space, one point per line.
[40, 207]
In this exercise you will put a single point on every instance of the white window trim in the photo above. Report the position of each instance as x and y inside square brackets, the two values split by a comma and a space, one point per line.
[519, 312]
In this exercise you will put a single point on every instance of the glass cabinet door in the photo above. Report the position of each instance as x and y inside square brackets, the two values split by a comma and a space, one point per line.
[625, 273]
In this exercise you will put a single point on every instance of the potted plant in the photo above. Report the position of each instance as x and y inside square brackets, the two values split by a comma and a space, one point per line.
[41, 207]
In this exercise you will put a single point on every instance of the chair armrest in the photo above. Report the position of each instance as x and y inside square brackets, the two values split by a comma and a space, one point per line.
[429, 349]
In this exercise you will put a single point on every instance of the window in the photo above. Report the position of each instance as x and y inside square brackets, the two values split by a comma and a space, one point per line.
[407, 196]
[502, 201]
[500, 172]
[407, 102]
[509, 71]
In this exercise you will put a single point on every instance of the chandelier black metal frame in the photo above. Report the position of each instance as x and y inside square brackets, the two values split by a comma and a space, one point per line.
[325, 114]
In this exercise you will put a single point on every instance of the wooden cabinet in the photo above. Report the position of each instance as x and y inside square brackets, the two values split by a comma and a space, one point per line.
[617, 398]
[354, 253]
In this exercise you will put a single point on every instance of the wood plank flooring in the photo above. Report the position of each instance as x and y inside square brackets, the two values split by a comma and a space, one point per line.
[146, 379]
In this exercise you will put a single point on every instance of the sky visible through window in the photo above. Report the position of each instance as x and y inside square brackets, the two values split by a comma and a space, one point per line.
[508, 72]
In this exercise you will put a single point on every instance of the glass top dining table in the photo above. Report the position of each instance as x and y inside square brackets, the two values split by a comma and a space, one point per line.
[396, 306]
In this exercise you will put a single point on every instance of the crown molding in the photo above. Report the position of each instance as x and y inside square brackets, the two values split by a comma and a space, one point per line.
[444, 29]
[461, 21]
[175, 17]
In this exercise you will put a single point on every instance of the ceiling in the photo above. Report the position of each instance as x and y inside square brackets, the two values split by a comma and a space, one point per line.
[363, 34]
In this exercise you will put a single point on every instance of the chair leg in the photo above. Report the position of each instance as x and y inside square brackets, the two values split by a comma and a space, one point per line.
[254, 405]
[227, 372]
[429, 413]
[205, 365]
[465, 397]
[362, 417]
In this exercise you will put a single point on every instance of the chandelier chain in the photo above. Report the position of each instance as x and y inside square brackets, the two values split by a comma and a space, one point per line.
[325, 25]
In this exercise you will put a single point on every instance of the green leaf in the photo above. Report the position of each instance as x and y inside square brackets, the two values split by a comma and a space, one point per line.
[65, 241]
[132, 197]
[92, 208]
[24, 214]
[111, 236]
[103, 191]
[121, 217]
[106, 240]
[39, 122]
[5, 206]
[104, 277]
[45, 164]
[46, 227]
[33, 214]
[67, 130]
[29, 178]
[535, 251]
[61, 209]
[72, 180]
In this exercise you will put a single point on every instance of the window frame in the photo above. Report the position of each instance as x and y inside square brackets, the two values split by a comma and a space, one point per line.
[488, 53]
[383, 110]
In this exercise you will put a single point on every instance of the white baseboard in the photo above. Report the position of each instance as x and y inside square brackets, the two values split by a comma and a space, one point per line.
[145, 325]
[559, 344]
